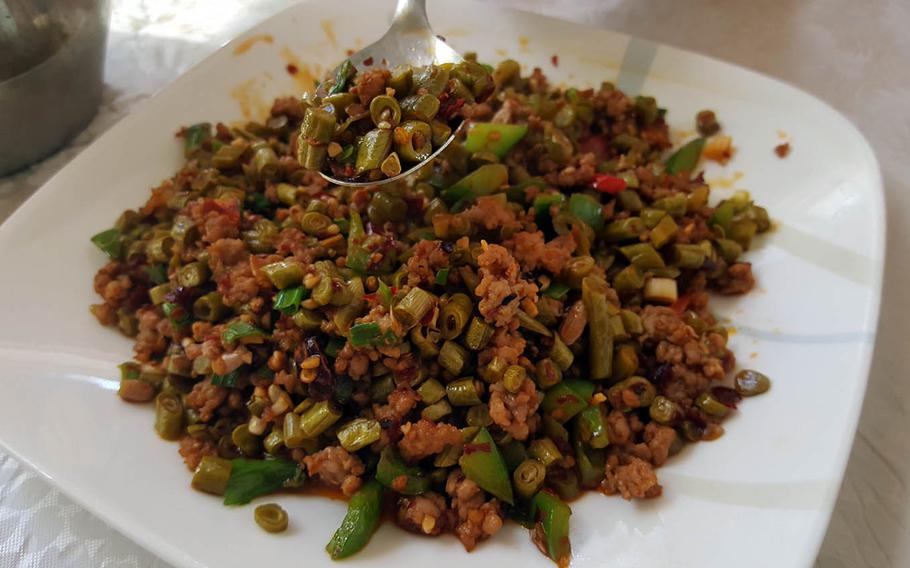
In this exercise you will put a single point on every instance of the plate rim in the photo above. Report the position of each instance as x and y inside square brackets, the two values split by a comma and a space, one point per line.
[175, 555]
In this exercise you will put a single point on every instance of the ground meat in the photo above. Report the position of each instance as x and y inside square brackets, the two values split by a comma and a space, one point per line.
[693, 230]
[501, 289]
[401, 401]
[217, 218]
[106, 314]
[289, 107]
[149, 340]
[427, 257]
[368, 84]
[477, 111]
[619, 430]
[206, 398]
[737, 279]
[112, 283]
[232, 271]
[335, 466]
[423, 514]
[696, 360]
[634, 480]
[424, 438]
[532, 251]
[507, 344]
[659, 440]
[580, 172]
[515, 412]
[193, 450]
[476, 518]
[491, 212]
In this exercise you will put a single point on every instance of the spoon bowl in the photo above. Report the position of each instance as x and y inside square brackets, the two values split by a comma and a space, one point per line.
[409, 41]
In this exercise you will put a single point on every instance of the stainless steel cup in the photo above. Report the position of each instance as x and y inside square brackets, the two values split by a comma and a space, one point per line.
[51, 67]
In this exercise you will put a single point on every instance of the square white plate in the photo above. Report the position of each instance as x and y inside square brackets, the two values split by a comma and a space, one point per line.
[759, 496]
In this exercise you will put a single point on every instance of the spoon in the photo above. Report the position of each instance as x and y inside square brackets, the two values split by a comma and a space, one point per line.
[409, 41]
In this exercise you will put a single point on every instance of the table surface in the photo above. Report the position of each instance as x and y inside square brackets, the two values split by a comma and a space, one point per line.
[854, 55]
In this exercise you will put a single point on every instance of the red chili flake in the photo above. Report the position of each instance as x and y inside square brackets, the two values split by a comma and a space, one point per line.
[681, 304]
[291, 69]
[350, 52]
[555, 60]
[726, 396]
[566, 398]
[605, 183]
[368, 61]
[782, 150]
[472, 448]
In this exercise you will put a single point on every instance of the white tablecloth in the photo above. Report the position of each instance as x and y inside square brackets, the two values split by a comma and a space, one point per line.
[855, 55]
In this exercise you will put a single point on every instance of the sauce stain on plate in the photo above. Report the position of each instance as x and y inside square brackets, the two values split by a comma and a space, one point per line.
[328, 28]
[249, 42]
[248, 95]
[304, 74]
[726, 182]
[523, 44]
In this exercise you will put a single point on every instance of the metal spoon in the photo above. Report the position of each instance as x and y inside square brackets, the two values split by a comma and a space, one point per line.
[409, 41]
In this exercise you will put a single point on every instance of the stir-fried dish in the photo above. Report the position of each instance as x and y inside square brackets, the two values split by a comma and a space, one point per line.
[524, 319]
[376, 124]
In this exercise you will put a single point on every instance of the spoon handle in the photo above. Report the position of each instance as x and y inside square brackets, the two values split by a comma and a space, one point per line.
[410, 15]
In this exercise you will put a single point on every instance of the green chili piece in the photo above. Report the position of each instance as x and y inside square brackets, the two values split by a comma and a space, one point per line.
[494, 137]
[590, 464]
[552, 515]
[344, 73]
[359, 433]
[482, 181]
[288, 300]
[411, 309]
[271, 517]
[566, 399]
[482, 463]
[168, 416]
[557, 290]
[251, 478]
[361, 521]
[463, 392]
[587, 209]
[109, 242]
[211, 475]
[194, 136]
[685, 159]
[390, 468]
[592, 427]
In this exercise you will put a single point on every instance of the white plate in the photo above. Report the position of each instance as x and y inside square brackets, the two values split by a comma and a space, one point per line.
[761, 495]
